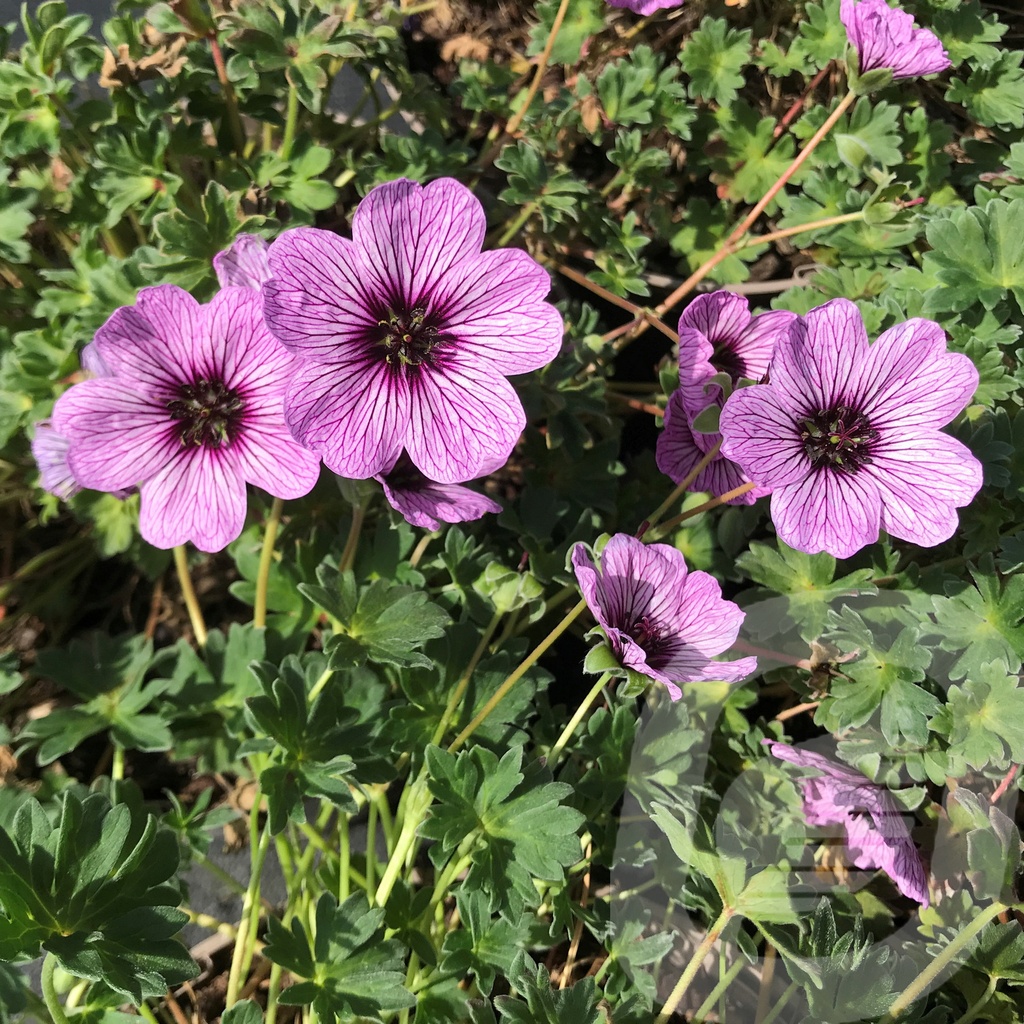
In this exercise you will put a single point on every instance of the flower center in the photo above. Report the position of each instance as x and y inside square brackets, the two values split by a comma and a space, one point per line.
[840, 438]
[208, 412]
[725, 359]
[647, 634]
[408, 338]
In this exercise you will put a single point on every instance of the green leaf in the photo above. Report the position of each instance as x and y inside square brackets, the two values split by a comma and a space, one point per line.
[352, 970]
[521, 824]
[382, 622]
[984, 718]
[98, 890]
[982, 623]
[583, 19]
[714, 57]
[990, 241]
[993, 95]
[543, 1004]
[485, 944]
[246, 1012]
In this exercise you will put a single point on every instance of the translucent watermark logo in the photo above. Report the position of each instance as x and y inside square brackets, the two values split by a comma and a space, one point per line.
[776, 900]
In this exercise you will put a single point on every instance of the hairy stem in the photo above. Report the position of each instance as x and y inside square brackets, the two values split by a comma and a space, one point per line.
[691, 969]
[517, 674]
[595, 692]
[291, 120]
[259, 612]
[670, 524]
[679, 490]
[243, 939]
[228, 91]
[50, 996]
[195, 613]
[960, 943]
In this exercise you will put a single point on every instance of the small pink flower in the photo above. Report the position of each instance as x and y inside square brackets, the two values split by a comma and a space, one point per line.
[645, 7]
[885, 40]
[661, 620]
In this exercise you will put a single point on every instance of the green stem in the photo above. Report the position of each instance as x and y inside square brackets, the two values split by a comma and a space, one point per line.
[571, 616]
[291, 119]
[219, 872]
[117, 763]
[510, 232]
[242, 940]
[773, 1014]
[691, 969]
[259, 612]
[464, 679]
[416, 807]
[344, 858]
[975, 1010]
[567, 732]
[195, 613]
[723, 983]
[228, 92]
[371, 844]
[348, 556]
[53, 1003]
[670, 524]
[930, 974]
[681, 488]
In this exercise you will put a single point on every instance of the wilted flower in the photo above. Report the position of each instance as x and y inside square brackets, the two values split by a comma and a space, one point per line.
[846, 435]
[885, 40]
[407, 332]
[717, 334]
[422, 502]
[645, 7]
[660, 619]
[50, 450]
[192, 411]
[244, 263]
[876, 834]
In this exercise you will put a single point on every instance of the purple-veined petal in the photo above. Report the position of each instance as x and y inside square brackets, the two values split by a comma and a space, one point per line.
[760, 435]
[318, 302]
[273, 460]
[50, 450]
[703, 619]
[118, 437]
[244, 263]
[756, 345]
[493, 305]
[197, 497]
[910, 380]
[923, 476]
[353, 415]
[828, 511]
[411, 235]
[462, 420]
[429, 504]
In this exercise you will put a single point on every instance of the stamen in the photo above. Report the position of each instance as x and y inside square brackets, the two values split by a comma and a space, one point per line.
[209, 413]
[840, 438]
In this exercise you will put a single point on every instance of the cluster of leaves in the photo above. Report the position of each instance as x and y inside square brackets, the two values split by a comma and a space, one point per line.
[354, 703]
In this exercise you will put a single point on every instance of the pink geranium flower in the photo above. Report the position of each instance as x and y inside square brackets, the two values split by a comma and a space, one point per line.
[424, 503]
[661, 620]
[645, 7]
[406, 333]
[875, 834]
[192, 410]
[885, 40]
[50, 450]
[717, 334]
[244, 264]
[846, 436]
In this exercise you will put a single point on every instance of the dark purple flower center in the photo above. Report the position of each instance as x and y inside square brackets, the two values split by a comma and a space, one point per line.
[408, 337]
[208, 413]
[725, 359]
[646, 633]
[838, 438]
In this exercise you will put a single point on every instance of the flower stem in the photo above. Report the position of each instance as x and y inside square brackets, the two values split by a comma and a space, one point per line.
[228, 91]
[773, 1014]
[242, 939]
[680, 489]
[344, 857]
[581, 711]
[974, 1011]
[517, 674]
[517, 118]
[348, 556]
[464, 680]
[959, 943]
[291, 119]
[728, 246]
[53, 1003]
[691, 969]
[671, 524]
[259, 612]
[419, 801]
[723, 983]
[195, 613]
